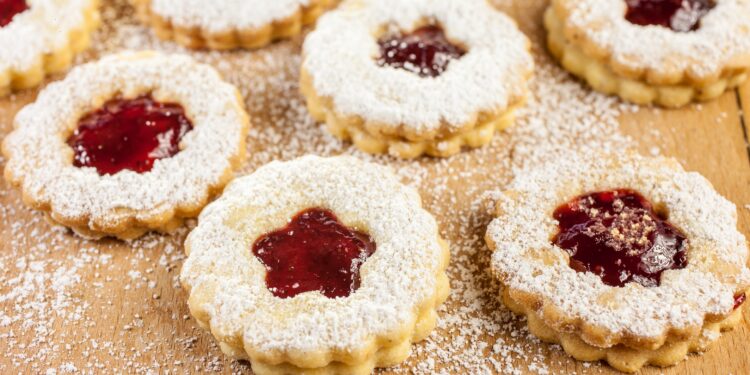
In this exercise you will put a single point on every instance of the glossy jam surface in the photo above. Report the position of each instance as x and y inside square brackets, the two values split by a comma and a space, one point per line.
[619, 236]
[9, 9]
[739, 300]
[129, 135]
[678, 15]
[314, 252]
[426, 51]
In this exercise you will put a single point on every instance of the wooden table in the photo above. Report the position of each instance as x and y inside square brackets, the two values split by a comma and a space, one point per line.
[69, 304]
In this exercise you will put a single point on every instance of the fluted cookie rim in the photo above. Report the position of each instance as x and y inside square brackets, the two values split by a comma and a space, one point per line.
[352, 129]
[621, 357]
[603, 78]
[227, 37]
[41, 41]
[656, 55]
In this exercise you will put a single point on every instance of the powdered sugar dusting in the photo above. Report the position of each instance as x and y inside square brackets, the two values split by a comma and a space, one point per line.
[226, 15]
[684, 297]
[722, 40]
[397, 280]
[121, 330]
[341, 58]
[42, 29]
[48, 177]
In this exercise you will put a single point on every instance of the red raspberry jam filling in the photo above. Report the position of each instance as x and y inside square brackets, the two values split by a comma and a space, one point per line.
[739, 300]
[129, 134]
[9, 9]
[425, 51]
[678, 15]
[619, 236]
[313, 252]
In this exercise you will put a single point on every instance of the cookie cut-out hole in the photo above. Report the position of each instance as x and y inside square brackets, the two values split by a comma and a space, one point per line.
[425, 51]
[314, 252]
[129, 134]
[621, 237]
[678, 15]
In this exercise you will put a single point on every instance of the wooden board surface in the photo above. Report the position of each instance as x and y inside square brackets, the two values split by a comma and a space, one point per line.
[112, 307]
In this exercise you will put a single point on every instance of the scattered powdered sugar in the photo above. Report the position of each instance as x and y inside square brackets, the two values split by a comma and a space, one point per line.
[489, 78]
[226, 15]
[121, 307]
[722, 40]
[42, 29]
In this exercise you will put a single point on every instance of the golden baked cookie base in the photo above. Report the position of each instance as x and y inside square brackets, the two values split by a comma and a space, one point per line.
[621, 357]
[55, 61]
[132, 228]
[197, 38]
[601, 77]
[382, 351]
[128, 224]
[406, 146]
[129, 233]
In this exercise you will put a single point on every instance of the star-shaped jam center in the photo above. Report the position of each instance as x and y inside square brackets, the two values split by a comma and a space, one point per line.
[314, 252]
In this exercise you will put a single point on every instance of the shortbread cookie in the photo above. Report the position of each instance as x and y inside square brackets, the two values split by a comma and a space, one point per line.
[41, 37]
[668, 53]
[132, 143]
[227, 24]
[631, 260]
[317, 266]
[415, 77]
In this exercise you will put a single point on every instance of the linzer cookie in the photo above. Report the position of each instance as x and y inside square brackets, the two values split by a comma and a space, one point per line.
[668, 53]
[131, 143]
[415, 77]
[627, 259]
[317, 266]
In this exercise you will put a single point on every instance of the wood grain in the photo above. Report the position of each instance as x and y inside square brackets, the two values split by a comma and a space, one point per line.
[137, 314]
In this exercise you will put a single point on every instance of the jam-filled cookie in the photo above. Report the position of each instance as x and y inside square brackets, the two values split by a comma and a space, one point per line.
[41, 37]
[629, 259]
[661, 52]
[317, 266]
[132, 143]
[227, 24]
[415, 77]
